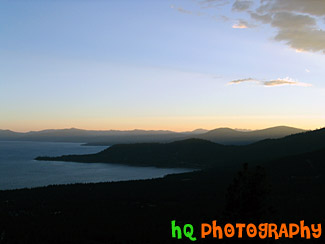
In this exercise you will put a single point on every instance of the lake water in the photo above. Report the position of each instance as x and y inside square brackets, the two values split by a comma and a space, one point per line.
[18, 169]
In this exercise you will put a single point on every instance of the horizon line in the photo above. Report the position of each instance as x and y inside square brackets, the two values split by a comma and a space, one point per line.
[166, 130]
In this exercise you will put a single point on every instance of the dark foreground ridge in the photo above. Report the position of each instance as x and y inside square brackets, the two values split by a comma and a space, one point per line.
[285, 190]
[283, 182]
[197, 153]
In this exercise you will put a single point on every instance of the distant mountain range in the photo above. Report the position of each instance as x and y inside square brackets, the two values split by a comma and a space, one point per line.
[198, 153]
[224, 136]
[92, 136]
[228, 136]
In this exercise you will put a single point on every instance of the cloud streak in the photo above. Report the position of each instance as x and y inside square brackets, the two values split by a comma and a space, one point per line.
[270, 83]
[185, 11]
[241, 81]
[286, 81]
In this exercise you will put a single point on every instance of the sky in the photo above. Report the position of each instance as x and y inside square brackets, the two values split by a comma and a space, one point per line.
[173, 64]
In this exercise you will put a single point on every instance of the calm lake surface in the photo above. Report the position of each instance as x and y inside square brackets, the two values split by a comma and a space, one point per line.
[18, 169]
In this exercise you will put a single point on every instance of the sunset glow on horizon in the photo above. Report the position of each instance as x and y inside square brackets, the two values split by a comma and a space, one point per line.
[169, 65]
[171, 124]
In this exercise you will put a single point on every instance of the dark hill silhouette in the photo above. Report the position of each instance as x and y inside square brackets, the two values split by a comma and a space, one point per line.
[139, 211]
[229, 136]
[304, 166]
[197, 153]
[187, 153]
[289, 145]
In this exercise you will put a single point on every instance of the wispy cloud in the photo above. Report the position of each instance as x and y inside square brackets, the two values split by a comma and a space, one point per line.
[296, 22]
[242, 80]
[213, 3]
[242, 24]
[239, 26]
[269, 83]
[285, 81]
[242, 5]
[185, 11]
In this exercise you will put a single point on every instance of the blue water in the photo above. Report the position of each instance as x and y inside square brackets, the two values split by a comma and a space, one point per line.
[18, 169]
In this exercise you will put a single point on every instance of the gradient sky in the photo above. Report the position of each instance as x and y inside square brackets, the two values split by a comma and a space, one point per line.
[172, 64]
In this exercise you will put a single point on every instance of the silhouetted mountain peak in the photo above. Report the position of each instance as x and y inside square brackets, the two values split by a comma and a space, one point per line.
[222, 130]
[231, 136]
[199, 131]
